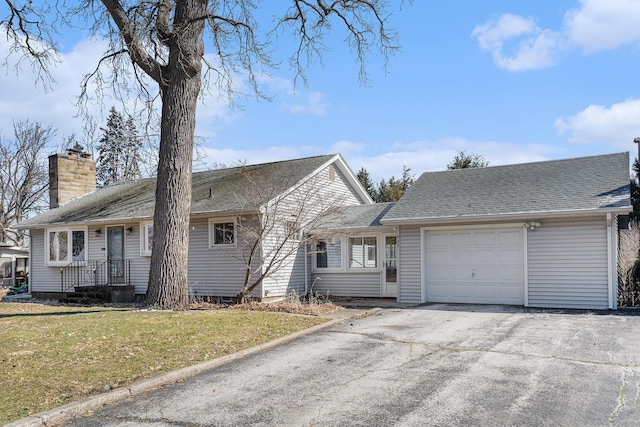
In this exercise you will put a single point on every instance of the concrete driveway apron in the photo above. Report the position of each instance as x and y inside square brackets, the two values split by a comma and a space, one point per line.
[434, 365]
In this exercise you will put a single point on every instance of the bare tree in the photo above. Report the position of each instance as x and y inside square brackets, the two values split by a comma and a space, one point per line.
[23, 176]
[273, 231]
[157, 48]
[628, 250]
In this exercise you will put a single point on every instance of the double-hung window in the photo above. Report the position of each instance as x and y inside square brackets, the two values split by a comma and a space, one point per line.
[363, 252]
[65, 245]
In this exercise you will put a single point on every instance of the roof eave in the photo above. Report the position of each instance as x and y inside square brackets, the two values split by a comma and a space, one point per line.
[509, 216]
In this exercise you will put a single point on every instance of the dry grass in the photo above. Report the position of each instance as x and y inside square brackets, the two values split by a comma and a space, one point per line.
[52, 355]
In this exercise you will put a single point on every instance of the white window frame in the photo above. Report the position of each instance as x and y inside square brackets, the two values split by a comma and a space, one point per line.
[315, 255]
[366, 256]
[212, 232]
[145, 248]
[69, 231]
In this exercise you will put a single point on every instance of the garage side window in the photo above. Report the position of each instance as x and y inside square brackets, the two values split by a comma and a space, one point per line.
[363, 252]
[65, 245]
[329, 254]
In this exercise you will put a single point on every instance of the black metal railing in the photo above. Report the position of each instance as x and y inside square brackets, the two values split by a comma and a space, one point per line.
[95, 273]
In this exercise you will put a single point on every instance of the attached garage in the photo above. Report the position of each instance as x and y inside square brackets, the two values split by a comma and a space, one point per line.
[474, 265]
[540, 234]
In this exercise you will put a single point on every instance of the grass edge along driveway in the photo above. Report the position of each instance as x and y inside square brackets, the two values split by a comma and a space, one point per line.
[53, 355]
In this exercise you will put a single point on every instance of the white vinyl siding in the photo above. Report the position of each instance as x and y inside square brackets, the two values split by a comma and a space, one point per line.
[567, 264]
[409, 265]
[42, 277]
[326, 190]
[348, 284]
[218, 271]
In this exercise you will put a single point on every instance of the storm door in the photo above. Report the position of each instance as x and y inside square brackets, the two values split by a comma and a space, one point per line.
[390, 267]
[115, 255]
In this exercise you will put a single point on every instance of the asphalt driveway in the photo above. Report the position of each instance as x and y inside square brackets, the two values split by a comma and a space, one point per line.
[435, 365]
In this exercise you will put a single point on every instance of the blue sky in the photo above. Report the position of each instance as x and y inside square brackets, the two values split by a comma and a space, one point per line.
[514, 81]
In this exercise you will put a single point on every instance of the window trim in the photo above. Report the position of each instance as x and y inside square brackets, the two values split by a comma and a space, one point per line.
[212, 224]
[69, 231]
[144, 249]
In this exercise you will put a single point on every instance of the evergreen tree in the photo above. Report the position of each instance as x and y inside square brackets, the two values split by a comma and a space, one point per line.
[392, 190]
[365, 179]
[463, 160]
[131, 151]
[118, 150]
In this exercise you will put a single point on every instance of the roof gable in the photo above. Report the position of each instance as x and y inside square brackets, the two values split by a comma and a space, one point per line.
[597, 183]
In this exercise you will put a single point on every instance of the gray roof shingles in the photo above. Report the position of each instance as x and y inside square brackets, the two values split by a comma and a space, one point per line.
[354, 217]
[571, 185]
[232, 190]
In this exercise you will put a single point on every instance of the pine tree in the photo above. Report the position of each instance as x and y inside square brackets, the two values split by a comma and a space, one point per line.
[118, 150]
[131, 151]
[365, 179]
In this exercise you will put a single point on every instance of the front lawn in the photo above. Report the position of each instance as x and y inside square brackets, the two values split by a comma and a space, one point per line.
[53, 355]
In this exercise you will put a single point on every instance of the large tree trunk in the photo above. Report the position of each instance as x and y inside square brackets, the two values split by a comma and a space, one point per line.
[168, 286]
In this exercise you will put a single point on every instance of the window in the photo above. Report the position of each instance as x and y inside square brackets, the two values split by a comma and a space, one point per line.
[363, 252]
[329, 253]
[222, 232]
[65, 245]
[146, 238]
[292, 230]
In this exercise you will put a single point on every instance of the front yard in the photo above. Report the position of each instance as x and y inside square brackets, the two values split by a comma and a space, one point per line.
[53, 355]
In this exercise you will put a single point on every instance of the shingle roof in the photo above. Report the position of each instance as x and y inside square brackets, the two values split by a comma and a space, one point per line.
[354, 217]
[216, 191]
[597, 183]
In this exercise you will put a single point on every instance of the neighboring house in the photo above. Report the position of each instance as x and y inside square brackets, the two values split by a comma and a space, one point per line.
[538, 234]
[106, 236]
[14, 265]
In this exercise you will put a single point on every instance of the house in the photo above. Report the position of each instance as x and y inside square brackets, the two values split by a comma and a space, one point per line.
[14, 266]
[540, 234]
[104, 237]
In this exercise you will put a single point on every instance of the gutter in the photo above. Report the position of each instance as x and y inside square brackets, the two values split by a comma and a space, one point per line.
[511, 216]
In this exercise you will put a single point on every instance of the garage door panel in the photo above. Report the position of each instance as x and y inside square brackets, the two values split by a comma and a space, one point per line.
[438, 274]
[484, 239]
[512, 237]
[438, 240]
[461, 239]
[485, 291]
[475, 266]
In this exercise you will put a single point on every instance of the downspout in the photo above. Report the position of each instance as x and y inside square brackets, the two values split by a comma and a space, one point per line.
[612, 303]
[306, 262]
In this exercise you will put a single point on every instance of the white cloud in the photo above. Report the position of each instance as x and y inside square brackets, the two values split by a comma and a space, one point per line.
[344, 147]
[536, 48]
[598, 25]
[616, 125]
[313, 103]
[593, 26]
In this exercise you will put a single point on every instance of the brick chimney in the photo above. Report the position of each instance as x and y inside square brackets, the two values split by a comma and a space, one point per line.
[71, 176]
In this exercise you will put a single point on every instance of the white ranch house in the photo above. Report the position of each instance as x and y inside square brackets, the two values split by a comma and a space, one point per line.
[538, 234]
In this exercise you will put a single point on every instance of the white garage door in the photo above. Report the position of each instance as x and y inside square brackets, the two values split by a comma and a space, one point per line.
[482, 266]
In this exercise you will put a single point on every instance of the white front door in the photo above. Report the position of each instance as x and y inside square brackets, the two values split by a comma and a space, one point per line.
[484, 266]
[390, 267]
